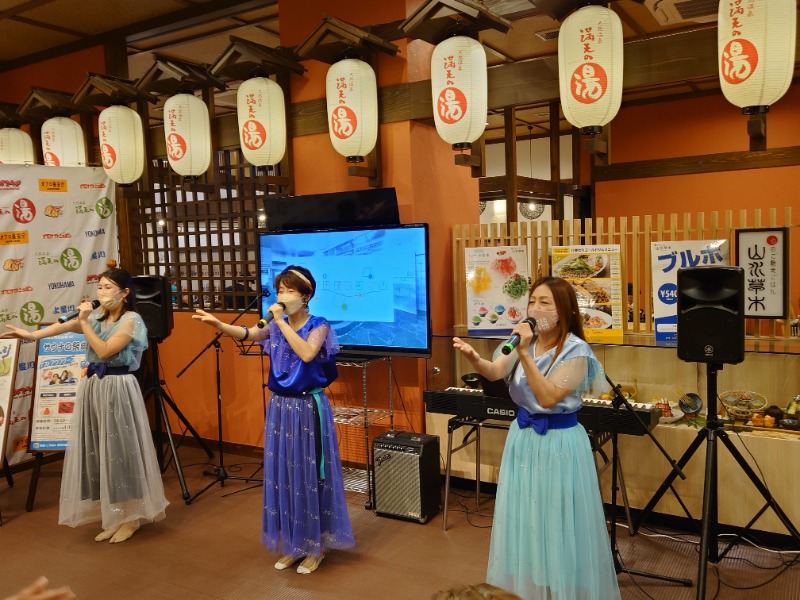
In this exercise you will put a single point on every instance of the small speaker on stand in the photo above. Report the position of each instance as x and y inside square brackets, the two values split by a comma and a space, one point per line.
[154, 304]
[711, 314]
[407, 479]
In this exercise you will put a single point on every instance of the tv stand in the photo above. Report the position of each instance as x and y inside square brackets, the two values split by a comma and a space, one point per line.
[363, 416]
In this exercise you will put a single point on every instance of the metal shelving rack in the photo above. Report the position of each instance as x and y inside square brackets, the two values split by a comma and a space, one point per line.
[357, 480]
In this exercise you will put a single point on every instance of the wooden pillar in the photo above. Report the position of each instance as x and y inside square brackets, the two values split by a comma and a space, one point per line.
[510, 117]
[757, 130]
[555, 158]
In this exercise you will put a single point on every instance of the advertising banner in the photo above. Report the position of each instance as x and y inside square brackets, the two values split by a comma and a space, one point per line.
[57, 229]
[9, 350]
[666, 259]
[595, 274]
[497, 288]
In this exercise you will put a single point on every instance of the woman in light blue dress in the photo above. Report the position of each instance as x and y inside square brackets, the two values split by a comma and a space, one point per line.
[110, 469]
[304, 510]
[549, 536]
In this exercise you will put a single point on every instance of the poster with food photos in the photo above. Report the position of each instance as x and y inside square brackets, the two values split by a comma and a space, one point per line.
[60, 366]
[9, 351]
[595, 274]
[497, 288]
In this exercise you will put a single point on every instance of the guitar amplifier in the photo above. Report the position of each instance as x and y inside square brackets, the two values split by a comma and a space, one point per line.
[407, 478]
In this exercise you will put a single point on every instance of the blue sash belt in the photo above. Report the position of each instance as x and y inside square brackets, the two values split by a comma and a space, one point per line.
[541, 422]
[102, 369]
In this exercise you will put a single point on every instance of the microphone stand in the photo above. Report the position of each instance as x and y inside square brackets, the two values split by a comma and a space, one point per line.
[245, 351]
[219, 472]
[619, 399]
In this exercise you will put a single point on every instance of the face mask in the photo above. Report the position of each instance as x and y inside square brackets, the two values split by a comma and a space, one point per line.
[292, 302]
[546, 320]
[109, 302]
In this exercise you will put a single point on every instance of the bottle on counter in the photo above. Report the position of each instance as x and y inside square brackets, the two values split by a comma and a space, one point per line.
[793, 409]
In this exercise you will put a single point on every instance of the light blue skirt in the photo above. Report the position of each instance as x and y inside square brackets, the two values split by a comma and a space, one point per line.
[549, 537]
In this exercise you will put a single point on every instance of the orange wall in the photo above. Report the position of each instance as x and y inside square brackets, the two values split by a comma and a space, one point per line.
[65, 74]
[699, 126]
[430, 189]
[300, 18]
[696, 127]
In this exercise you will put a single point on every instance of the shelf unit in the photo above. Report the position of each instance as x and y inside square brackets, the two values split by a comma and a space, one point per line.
[361, 480]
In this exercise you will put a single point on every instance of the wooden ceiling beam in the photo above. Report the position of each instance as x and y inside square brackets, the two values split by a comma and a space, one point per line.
[48, 26]
[181, 19]
[21, 8]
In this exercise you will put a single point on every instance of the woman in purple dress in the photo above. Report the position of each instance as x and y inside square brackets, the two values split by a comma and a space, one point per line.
[305, 513]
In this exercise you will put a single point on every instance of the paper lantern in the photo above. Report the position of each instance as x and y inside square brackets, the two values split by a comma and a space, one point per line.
[590, 67]
[756, 46]
[16, 147]
[62, 143]
[187, 133]
[352, 98]
[460, 90]
[121, 143]
[262, 121]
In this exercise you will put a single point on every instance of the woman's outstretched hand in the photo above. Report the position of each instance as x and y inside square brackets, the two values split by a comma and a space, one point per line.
[16, 332]
[468, 351]
[206, 318]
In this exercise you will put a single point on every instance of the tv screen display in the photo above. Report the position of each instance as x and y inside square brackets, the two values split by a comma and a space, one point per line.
[359, 208]
[372, 284]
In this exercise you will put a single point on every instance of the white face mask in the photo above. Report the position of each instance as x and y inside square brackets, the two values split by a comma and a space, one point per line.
[292, 301]
[546, 320]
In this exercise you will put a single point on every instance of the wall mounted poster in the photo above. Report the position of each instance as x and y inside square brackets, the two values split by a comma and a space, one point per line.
[763, 253]
[666, 259]
[595, 274]
[60, 365]
[9, 351]
[497, 288]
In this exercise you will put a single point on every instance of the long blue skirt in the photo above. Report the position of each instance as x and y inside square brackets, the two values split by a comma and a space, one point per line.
[305, 513]
[549, 536]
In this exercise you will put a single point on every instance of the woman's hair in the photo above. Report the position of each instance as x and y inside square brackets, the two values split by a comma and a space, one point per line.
[292, 280]
[482, 591]
[123, 279]
[569, 315]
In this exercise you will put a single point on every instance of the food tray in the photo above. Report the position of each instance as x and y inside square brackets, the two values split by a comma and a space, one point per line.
[740, 404]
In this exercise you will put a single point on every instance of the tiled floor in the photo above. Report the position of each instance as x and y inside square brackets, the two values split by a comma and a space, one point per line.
[211, 550]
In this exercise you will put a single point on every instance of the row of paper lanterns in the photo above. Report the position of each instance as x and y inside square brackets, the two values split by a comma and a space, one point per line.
[755, 71]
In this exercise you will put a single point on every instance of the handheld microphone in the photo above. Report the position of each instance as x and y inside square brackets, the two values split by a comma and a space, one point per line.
[75, 313]
[513, 341]
[265, 321]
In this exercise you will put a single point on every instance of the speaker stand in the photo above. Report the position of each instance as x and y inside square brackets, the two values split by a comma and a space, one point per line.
[160, 398]
[709, 543]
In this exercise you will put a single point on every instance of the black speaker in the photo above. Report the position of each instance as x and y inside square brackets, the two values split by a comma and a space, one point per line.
[407, 480]
[154, 303]
[711, 314]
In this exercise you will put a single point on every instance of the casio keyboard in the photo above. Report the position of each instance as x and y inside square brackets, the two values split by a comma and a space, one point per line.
[595, 415]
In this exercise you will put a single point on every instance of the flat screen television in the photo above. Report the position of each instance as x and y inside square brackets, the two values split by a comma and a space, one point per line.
[375, 206]
[372, 284]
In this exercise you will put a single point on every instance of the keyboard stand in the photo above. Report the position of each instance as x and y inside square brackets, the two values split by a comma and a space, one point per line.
[597, 441]
[476, 425]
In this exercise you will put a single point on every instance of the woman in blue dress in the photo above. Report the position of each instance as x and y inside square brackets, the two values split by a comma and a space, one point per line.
[305, 512]
[549, 537]
[110, 469]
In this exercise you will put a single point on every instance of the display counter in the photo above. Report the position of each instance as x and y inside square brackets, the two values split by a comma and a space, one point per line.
[656, 373]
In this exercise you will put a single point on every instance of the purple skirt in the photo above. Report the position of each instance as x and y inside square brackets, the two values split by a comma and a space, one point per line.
[304, 514]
